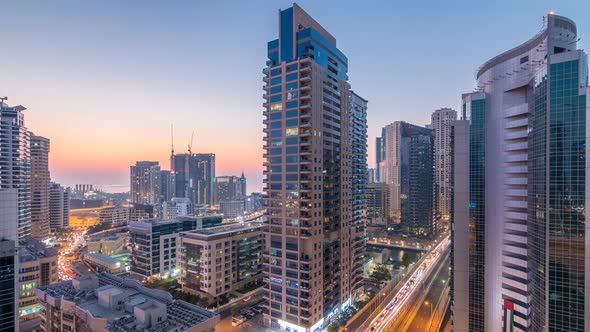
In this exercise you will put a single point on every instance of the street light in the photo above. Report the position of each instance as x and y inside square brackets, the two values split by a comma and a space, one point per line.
[428, 304]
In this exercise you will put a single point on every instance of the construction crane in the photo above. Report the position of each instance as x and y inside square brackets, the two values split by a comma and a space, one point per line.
[172, 137]
[190, 144]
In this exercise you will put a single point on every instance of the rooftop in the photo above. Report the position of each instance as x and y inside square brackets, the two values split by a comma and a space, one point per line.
[30, 249]
[223, 230]
[104, 258]
[86, 290]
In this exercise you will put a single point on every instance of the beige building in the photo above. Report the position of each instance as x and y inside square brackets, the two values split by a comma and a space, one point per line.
[39, 187]
[105, 302]
[37, 268]
[115, 215]
[441, 121]
[104, 263]
[110, 245]
[218, 260]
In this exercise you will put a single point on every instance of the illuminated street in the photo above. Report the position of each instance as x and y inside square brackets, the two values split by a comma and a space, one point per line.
[413, 284]
[68, 253]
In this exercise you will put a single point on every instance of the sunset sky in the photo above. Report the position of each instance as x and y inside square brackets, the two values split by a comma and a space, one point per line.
[105, 79]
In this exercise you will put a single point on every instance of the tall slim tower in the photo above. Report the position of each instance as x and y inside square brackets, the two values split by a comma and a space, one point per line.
[145, 182]
[527, 137]
[441, 121]
[16, 161]
[311, 248]
[380, 157]
[39, 187]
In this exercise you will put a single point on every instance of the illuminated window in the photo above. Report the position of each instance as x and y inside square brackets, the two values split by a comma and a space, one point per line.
[292, 131]
[276, 107]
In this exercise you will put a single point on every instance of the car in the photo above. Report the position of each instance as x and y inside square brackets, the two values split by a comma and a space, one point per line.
[246, 299]
[235, 321]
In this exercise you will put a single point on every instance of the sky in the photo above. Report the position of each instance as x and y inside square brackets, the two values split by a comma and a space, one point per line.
[104, 80]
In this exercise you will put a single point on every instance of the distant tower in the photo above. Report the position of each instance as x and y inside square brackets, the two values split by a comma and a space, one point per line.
[145, 182]
[441, 121]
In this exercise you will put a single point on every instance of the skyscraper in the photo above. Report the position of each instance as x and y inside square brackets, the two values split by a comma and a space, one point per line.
[39, 187]
[409, 171]
[59, 206]
[195, 177]
[228, 188]
[312, 248]
[167, 186]
[16, 161]
[380, 157]
[527, 190]
[9, 212]
[441, 121]
[145, 182]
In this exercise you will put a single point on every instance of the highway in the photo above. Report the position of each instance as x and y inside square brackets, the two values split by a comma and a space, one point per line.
[431, 306]
[412, 286]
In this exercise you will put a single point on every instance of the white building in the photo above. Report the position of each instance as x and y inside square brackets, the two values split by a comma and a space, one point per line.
[178, 207]
[521, 250]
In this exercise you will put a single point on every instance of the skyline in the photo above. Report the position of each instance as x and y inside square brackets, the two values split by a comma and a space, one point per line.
[59, 67]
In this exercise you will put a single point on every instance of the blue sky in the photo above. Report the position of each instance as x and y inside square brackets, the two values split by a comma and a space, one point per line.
[104, 79]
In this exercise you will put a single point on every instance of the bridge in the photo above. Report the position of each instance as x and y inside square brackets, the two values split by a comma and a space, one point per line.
[395, 245]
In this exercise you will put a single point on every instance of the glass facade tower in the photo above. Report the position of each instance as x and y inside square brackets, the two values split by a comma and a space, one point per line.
[315, 173]
[527, 189]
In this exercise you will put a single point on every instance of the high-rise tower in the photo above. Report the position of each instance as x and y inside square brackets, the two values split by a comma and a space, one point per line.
[312, 248]
[145, 182]
[409, 172]
[441, 121]
[40, 180]
[16, 161]
[194, 176]
[525, 212]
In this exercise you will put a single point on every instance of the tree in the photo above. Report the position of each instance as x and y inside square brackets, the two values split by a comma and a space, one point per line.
[406, 260]
[380, 273]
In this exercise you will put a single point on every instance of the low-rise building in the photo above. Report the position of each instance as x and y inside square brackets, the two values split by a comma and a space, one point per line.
[105, 302]
[154, 242]
[115, 216]
[178, 207]
[104, 263]
[141, 212]
[110, 245]
[217, 260]
[37, 268]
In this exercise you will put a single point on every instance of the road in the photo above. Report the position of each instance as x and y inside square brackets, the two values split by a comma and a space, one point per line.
[403, 300]
[422, 320]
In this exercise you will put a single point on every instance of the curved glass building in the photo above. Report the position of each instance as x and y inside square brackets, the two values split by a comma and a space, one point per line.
[526, 199]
